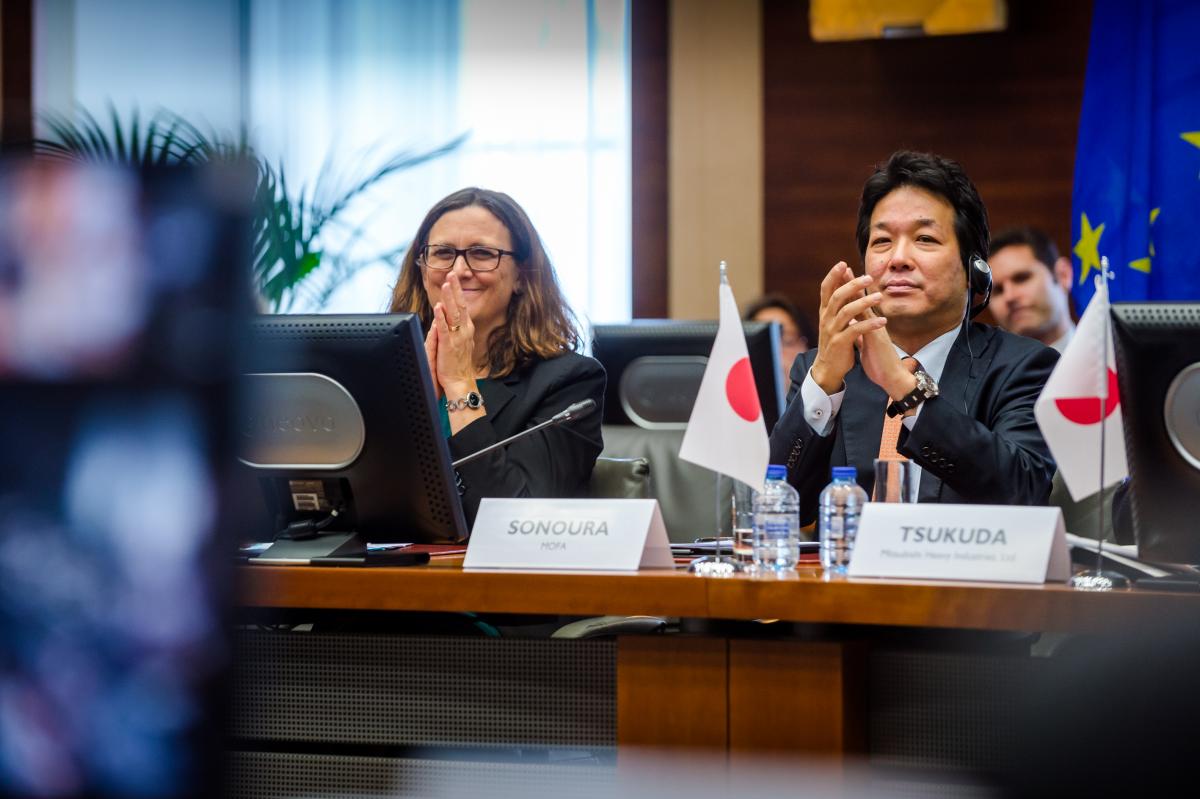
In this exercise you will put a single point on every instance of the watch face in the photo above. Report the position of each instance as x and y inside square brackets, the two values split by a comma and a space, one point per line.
[474, 400]
[926, 385]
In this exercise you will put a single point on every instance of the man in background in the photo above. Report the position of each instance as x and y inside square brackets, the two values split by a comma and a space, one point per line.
[1031, 285]
[1031, 297]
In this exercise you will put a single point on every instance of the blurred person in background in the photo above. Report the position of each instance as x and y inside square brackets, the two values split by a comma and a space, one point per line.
[796, 333]
[1031, 286]
[501, 347]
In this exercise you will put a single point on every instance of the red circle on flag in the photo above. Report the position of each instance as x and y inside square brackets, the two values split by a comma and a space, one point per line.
[1086, 410]
[740, 391]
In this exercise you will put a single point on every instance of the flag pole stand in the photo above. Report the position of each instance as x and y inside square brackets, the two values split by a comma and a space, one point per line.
[1099, 578]
[717, 564]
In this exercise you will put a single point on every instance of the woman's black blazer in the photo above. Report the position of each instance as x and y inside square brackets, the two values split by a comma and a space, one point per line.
[555, 462]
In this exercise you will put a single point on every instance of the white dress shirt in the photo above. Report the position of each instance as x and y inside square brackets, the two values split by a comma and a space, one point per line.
[820, 409]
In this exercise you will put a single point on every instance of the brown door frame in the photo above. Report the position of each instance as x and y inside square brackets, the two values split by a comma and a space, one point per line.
[16, 75]
[649, 54]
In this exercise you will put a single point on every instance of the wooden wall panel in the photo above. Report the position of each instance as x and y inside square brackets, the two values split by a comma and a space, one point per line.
[1005, 105]
[649, 35]
[797, 697]
[672, 692]
[16, 75]
[716, 160]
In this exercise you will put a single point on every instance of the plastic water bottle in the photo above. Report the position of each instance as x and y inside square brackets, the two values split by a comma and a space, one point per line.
[841, 504]
[776, 523]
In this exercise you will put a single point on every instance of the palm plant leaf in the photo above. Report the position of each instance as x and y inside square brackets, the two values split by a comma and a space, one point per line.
[164, 139]
[288, 260]
[285, 251]
[393, 165]
[68, 141]
[320, 287]
[163, 146]
[118, 144]
[101, 147]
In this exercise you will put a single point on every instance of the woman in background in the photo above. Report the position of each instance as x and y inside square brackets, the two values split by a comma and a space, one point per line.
[797, 333]
[501, 347]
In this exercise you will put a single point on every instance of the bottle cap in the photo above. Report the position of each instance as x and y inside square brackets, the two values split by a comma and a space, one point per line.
[845, 473]
[776, 472]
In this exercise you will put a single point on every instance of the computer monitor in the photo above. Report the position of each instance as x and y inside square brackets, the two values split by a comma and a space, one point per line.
[1158, 372]
[655, 367]
[120, 299]
[341, 430]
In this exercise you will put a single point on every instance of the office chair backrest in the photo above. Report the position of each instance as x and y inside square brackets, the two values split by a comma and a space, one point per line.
[620, 478]
[1080, 517]
[686, 493]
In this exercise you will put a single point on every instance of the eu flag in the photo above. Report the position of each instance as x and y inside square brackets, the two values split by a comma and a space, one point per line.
[1137, 164]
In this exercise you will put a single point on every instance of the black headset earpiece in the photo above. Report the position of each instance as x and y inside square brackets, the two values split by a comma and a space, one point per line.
[979, 282]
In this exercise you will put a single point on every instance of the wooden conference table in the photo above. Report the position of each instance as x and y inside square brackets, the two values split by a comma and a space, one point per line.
[803, 692]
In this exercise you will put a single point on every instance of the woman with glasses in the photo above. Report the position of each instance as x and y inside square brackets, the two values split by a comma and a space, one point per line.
[501, 348]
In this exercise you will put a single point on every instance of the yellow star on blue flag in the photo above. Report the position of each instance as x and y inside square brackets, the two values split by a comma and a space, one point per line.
[1138, 156]
[1147, 263]
[1088, 247]
[1193, 138]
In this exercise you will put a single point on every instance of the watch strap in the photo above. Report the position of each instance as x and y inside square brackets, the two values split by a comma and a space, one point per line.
[924, 389]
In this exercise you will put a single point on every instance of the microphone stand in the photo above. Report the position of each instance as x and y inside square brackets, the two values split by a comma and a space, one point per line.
[571, 414]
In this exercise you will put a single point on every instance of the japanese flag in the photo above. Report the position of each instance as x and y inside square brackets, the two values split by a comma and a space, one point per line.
[1078, 398]
[726, 432]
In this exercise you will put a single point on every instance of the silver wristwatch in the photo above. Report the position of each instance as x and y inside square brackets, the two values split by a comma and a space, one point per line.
[473, 400]
[926, 389]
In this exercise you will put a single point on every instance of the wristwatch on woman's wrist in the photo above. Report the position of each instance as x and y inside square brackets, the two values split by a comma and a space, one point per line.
[473, 400]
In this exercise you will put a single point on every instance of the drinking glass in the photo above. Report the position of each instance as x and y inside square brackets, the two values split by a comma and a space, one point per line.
[891, 481]
[743, 522]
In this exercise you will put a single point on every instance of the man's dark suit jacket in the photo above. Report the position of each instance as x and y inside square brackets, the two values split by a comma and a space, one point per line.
[555, 462]
[977, 441]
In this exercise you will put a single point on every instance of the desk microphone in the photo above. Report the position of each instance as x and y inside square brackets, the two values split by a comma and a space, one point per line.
[572, 413]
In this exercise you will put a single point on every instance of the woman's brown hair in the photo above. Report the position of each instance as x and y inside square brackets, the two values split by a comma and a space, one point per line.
[539, 323]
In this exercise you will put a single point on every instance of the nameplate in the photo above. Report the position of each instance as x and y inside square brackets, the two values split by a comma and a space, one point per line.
[1002, 543]
[573, 534]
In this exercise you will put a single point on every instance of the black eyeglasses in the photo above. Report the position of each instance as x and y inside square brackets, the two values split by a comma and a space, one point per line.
[441, 257]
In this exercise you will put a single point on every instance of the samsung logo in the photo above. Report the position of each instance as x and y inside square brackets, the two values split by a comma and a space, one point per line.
[258, 425]
[557, 527]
